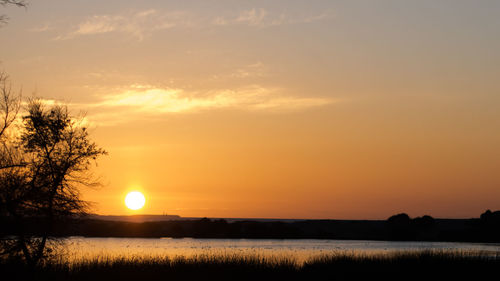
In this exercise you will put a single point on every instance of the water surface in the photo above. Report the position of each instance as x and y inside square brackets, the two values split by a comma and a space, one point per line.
[81, 248]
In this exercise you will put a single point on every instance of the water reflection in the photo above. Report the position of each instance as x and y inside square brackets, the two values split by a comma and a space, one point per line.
[79, 248]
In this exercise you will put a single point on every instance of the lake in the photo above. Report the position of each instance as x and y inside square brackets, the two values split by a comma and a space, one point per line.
[82, 248]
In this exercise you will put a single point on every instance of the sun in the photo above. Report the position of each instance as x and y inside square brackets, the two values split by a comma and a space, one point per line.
[135, 200]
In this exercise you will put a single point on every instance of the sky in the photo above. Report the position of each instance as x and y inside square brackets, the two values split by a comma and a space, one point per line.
[274, 109]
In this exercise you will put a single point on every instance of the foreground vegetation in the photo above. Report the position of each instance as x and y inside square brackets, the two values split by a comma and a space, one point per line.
[422, 265]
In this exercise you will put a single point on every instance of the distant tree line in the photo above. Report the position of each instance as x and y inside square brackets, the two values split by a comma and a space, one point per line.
[397, 228]
[402, 227]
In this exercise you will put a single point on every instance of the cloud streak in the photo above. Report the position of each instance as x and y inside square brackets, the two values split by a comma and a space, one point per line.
[137, 24]
[143, 102]
[167, 100]
[141, 24]
[262, 18]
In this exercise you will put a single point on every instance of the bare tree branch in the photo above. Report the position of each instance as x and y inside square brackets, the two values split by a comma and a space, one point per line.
[19, 3]
[9, 104]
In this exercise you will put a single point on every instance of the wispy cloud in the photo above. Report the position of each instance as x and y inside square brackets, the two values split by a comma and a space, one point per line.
[253, 70]
[137, 24]
[141, 24]
[143, 102]
[252, 17]
[155, 100]
[41, 28]
[263, 18]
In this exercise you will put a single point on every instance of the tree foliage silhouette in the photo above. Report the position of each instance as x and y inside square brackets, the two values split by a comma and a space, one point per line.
[45, 160]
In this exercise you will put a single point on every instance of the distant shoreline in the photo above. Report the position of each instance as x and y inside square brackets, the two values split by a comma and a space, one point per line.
[153, 218]
[399, 227]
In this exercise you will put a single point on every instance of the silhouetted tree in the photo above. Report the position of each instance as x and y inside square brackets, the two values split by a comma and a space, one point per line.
[424, 222]
[400, 219]
[489, 225]
[489, 216]
[399, 227]
[44, 161]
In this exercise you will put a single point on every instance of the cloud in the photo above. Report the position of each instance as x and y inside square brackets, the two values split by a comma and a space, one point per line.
[136, 24]
[146, 102]
[253, 17]
[41, 28]
[141, 24]
[149, 99]
[257, 69]
[263, 18]
[99, 24]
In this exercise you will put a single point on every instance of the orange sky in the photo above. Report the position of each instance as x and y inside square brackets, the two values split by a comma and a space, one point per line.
[277, 109]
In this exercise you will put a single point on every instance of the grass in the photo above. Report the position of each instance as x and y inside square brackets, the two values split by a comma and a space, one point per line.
[414, 265]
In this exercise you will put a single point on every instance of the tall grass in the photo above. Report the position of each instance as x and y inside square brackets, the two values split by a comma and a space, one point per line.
[409, 265]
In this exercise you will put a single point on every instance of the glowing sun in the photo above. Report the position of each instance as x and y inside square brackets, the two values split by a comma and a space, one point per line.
[135, 200]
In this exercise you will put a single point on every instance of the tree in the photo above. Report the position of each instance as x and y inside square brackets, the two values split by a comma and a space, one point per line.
[19, 3]
[44, 163]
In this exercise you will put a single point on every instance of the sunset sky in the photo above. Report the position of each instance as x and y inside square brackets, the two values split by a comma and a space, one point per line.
[275, 109]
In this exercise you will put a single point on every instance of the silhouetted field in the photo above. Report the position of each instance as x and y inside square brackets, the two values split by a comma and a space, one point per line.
[423, 265]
